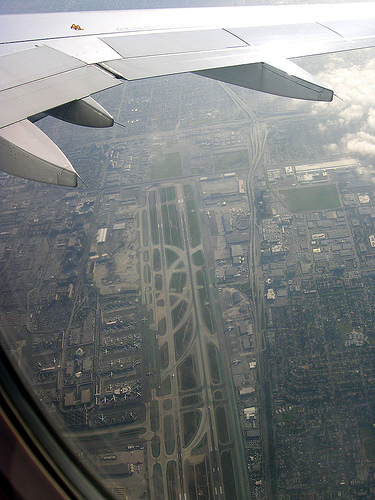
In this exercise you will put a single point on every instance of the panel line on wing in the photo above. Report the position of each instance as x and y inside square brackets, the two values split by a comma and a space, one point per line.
[237, 36]
[149, 66]
[90, 49]
[172, 42]
[331, 29]
[34, 64]
[34, 97]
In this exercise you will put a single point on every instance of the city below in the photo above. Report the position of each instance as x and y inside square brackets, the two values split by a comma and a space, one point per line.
[199, 321]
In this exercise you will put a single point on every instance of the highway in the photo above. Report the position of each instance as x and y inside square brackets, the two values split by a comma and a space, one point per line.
[257, 137]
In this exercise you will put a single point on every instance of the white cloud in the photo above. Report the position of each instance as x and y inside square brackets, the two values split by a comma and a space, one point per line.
[367, 173]
[360, 143]
[371, 119]
[332, 148]
[353, 115]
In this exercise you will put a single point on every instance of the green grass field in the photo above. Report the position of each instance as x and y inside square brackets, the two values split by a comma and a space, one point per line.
[190, 421]
[205, 300]
[167, 166]
[182, 338]
[198, 258]
[171, 257]
[167, 194]
[194, 231]
[321, 197]
[154, 415]
[231, 160]
[369, 448]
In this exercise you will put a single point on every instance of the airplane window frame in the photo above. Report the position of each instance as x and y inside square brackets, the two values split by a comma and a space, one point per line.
[53, 457]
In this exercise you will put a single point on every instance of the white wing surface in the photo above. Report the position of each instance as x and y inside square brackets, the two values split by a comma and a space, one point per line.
[52, 63]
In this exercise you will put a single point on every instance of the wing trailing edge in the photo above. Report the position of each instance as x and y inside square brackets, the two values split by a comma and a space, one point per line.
[283, 78]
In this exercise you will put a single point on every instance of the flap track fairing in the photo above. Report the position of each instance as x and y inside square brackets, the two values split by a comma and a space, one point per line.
[25, 151]
[86, 112]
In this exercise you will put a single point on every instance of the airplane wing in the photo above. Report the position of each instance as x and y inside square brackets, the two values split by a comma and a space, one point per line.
[52, 63]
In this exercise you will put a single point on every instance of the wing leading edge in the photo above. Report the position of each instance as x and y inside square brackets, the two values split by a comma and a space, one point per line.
[56, 72]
